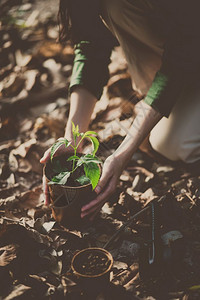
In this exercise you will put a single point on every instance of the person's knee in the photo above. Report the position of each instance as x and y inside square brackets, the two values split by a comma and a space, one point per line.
[189, 152]
[175, 147]
[168, 147]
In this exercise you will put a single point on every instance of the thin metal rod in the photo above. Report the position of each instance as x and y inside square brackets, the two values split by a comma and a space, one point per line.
[113, 237]
[152, 249]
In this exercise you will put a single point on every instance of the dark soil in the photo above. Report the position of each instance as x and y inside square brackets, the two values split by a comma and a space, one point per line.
[60, 164]
[92, 262]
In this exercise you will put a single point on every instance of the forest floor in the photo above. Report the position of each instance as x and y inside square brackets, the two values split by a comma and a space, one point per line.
[35, 251]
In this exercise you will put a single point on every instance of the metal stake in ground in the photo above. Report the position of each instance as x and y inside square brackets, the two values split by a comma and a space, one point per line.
[134, 217]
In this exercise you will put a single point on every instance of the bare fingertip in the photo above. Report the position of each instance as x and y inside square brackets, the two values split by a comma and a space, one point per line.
[97, 189]
[84, 208]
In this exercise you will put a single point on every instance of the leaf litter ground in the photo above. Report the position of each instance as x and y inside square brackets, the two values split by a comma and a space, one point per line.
[35, 252]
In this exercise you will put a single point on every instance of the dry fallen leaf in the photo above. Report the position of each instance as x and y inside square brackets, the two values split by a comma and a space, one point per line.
[24, 166]
[120, 86]
[10, 180]
[13, 85]
[30, 79]
[9, 202]
[26, 125]
[54, 69]
[19, 290]
[67, 55]
[23, 149]
[36, 78]
[49, 125]
[33, 157]
[13, 163]
[49, 49]
[118, 62]
[31, 198]
[22, 59]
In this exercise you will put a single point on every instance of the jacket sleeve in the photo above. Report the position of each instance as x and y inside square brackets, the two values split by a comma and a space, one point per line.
[93, 46]
[181, 59]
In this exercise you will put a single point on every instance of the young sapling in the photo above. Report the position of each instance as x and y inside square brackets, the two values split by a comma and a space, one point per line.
[88, 162]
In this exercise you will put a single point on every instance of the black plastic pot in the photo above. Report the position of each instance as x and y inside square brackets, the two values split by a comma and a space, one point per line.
[67, 201]
[96, 283]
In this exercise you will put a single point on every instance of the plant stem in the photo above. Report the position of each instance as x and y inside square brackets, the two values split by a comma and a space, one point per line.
[80, 141]
[73, 166]
[74, 170]
[75, 151]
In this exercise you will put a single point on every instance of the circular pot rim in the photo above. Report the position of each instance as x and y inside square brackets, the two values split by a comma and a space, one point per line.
[108, 254]
[71, 187]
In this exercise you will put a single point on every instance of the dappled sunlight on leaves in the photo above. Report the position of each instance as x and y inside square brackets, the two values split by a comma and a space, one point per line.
[35, 251]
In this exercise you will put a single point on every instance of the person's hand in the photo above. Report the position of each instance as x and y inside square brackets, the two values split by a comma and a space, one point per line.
[112, 170]
[145, 120]
[61, 150]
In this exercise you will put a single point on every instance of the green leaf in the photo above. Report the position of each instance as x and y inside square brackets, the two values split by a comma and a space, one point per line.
[61, 178]
[95, 143]
[92, 171]
[75, 131]
[79, 162]
[88, 158]
[73, 127]
[89, 133]
[83, 180]
[57, 145]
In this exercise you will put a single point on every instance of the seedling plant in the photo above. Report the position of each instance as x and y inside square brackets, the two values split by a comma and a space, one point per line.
[89, 162]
